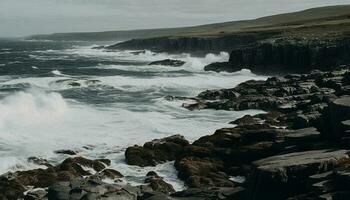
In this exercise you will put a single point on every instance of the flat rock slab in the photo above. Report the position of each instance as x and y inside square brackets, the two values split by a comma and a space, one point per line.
[279, 162]
[339, 110]
[283, 176]
[343, 101]
[303, 135]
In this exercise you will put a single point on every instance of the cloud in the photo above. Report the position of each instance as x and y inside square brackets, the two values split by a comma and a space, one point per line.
[25, 17]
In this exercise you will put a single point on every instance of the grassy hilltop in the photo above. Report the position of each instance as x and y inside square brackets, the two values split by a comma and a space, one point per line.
[331, 19]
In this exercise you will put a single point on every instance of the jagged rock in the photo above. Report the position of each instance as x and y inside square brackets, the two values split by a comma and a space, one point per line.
[219, 94]
[202, 172]
[169, 62]
[245, 120]
[156, 151]
[158, 184]
[66, 171]
[90, 188]
[283, 176]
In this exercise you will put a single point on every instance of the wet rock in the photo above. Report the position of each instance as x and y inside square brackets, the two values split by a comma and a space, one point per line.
[221, 67]
[138, 52]
[74, 84]
[39, 161]
[218, 94]
[245, 120]
[74, 165]
[37, 194]
[110, 173]
[11, 189]
[156, 151]
[67, 152]
[283, 176]
[59, 191]
[158, 184]
[90, 188]
[202, 172]
[169, 62]
[137, 155]
[66, 171]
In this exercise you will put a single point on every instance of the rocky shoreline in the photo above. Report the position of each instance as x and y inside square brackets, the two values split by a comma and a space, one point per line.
[298, 149]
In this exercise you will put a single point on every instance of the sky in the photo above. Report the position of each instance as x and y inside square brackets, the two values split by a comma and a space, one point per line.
[27, 17]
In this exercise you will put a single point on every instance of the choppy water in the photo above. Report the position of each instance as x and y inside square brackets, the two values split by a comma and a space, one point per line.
[59, 95]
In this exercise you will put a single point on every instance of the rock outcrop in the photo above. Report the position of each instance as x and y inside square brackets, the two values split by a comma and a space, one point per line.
[287, 175]
[156, 151]
[298, 149]
[168, 62]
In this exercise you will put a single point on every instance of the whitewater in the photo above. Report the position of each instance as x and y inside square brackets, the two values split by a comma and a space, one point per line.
[60, 95]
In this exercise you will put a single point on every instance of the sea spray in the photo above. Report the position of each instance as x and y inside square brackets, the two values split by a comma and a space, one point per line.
[31, 107]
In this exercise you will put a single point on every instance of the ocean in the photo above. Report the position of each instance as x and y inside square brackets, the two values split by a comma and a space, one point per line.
[69, 95]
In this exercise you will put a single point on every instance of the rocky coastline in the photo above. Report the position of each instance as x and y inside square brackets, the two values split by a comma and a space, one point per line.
[298, 149]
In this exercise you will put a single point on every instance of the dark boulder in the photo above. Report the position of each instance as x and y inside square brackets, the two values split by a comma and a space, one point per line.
[219, 94]
[11, 189]
[156, 151]
[66, 151]
[158, 184]
[202, 172]
[221, 67]
[169, 62]
[245, 120]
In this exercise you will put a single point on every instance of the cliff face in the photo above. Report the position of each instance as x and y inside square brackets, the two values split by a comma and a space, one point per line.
[192, 44]
[290, 55]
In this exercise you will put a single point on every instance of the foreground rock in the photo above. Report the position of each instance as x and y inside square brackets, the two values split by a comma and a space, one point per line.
[169, 62]
[283, 176]
[78, 178]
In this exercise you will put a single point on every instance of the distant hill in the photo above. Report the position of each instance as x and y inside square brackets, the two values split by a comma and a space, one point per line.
[311, 17]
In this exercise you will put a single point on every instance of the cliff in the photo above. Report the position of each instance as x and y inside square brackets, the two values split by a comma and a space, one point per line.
[194, 44]
[287, 55]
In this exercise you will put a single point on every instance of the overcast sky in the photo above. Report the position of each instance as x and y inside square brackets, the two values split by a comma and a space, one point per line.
[26, 17]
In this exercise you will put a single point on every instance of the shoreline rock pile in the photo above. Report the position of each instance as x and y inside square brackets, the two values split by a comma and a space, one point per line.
[298, 149]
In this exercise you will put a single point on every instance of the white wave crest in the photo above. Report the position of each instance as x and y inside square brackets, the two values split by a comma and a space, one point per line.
[57, 72]
[31, 108]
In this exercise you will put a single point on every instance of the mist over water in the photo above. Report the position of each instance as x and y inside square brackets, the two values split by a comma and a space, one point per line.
[69, 96]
